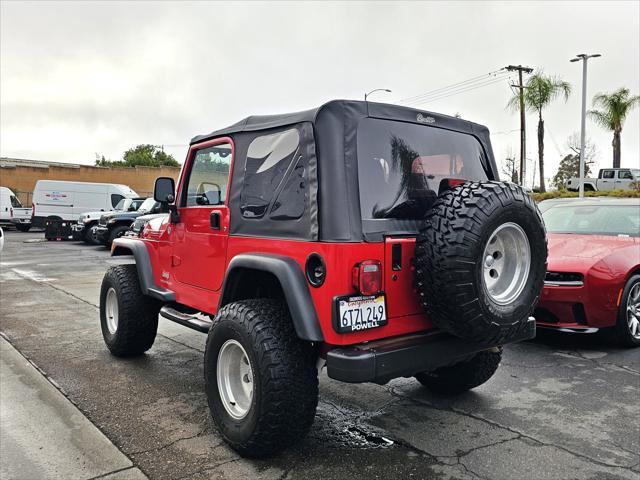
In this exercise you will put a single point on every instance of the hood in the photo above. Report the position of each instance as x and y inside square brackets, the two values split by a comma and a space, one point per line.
[574, 252]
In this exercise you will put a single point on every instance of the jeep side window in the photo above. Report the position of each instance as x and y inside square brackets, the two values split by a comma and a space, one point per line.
[209, 176]
[625, 174]
[269, 157]
[608, 173]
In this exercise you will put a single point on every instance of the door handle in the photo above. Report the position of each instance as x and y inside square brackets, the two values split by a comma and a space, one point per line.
[214, 220]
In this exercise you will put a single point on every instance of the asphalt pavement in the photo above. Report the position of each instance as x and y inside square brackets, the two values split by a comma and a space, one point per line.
[562, 406]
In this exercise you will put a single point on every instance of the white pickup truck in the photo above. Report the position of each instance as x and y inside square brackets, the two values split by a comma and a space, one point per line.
[22, 218]
[608, 179]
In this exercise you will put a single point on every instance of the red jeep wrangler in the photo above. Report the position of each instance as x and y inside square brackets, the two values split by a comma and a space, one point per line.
[371, 239]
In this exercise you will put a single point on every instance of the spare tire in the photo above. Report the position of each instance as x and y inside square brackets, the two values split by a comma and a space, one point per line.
[481, 260]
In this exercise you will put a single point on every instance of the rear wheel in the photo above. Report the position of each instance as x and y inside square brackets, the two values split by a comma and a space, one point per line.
[628, 324]
[481, 261]
[23, 227]
[128, 319]
[260, 378]
[463, 376]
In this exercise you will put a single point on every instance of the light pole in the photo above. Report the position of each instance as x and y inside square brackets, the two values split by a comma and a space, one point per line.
[584, 57]
[376, 90]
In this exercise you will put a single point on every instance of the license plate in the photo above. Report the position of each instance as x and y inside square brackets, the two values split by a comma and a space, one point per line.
[360, 313]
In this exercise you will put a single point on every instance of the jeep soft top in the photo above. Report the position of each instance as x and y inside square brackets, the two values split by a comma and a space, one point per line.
[373, 239]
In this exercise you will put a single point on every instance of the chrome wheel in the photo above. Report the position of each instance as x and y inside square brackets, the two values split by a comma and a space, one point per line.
[633, 311]
[111, 304]
[235, 379]
[506, 262]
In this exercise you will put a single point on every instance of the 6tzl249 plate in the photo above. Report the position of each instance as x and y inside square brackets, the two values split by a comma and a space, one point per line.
[354, 314]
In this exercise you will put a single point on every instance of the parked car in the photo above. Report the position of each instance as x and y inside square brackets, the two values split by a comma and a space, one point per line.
[12, 212]
[83, 230]
[405, 257]
[114, 224]
[593, 277]
[139, 223]
[64, 200]
[608, 179]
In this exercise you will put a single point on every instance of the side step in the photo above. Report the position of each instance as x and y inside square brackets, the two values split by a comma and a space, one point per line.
[186, 319]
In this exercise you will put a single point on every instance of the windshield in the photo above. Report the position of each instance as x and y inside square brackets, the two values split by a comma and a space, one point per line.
[128, 204]
[147, 205]
[593, 219]
[401, 165]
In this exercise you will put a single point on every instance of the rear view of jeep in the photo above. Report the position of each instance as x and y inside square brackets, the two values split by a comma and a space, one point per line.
[371, 240]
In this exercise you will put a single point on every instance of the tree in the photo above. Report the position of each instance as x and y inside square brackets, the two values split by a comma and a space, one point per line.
[570, 164]
[540, 91]
[510, 167]
[143, 155]
[614, 110]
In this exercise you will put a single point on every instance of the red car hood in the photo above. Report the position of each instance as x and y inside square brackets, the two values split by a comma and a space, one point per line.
[577, 253]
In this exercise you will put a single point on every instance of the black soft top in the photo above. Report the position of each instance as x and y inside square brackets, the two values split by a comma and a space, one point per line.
[335, 215]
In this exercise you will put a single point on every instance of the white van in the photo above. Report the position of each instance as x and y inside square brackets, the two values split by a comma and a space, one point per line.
[67, 200]
[8, 201]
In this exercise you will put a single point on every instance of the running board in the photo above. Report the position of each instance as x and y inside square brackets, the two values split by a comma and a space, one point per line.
[190, 321]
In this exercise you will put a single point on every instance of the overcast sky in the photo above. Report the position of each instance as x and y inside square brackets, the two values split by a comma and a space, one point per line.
[84, 78]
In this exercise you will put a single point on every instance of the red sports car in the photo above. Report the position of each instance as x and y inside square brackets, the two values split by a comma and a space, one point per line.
[593, 275]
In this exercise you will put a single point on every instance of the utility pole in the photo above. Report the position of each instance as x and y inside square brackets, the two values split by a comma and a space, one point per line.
[584, 57]
[523, 135]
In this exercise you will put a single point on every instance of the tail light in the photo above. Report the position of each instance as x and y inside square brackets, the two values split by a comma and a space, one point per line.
[11, 212]
[33, 210]
[367, 277]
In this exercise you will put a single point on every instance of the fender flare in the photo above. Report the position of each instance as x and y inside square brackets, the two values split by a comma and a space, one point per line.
[137, 248]
[293, 283]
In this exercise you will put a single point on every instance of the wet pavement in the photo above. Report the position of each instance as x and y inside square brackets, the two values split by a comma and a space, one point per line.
[562, 406]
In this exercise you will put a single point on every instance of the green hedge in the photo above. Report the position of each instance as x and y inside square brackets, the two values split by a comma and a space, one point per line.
[538, 197]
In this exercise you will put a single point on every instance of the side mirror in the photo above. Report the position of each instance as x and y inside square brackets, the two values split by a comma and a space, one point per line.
[164, 189]
[163, 193]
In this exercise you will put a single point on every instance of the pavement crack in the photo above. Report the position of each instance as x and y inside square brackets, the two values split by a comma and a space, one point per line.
[112, 472]
[519, 434]
[207, 469]
[162, 447]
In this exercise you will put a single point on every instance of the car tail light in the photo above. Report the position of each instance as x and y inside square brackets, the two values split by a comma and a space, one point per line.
[11, 212]
[367, 277]
[33, 210]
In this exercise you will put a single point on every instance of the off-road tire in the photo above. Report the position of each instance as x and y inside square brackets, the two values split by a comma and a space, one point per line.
[137, 313]
[284, 371]
[463, 376]
[86, 235]
[116, 232]
[21, 227]
[621, 330]
[449, 260]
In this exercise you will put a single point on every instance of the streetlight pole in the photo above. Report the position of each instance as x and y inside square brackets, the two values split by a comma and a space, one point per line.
[584, 57]
[376, 90]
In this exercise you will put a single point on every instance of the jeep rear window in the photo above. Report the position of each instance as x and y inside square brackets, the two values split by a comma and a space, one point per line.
[401, 165]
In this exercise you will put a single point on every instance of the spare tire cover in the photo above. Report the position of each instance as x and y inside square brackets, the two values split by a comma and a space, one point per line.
[480, 261]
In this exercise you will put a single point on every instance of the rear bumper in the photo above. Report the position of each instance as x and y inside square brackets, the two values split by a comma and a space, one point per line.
[24, 221]
[382, 361]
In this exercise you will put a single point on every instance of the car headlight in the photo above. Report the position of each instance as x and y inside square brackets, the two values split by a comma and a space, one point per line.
[86, 220]
[112, 220]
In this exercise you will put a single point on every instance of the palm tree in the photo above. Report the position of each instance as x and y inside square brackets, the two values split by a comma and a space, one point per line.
[539, 92]
[615, 108]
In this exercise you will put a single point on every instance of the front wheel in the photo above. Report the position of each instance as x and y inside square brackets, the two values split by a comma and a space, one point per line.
[117, 232]
[627, 328]
[463, 376]
[128, 319]
[260, 378]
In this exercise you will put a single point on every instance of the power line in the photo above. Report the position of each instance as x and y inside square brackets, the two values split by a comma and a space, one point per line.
[464, 83]
[467, 88]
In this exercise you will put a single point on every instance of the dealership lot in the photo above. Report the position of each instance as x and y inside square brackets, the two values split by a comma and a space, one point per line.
[563, 406]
